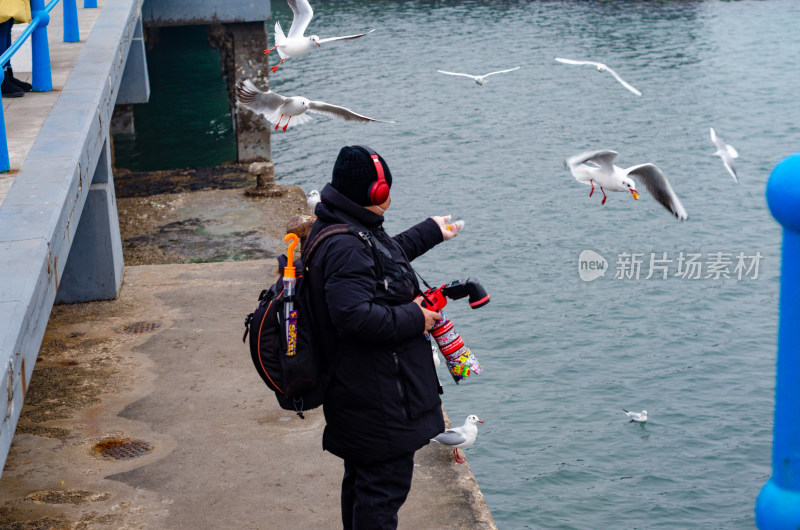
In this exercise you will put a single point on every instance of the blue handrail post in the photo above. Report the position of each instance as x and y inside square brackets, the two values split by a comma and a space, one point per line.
[87, 4]
[71, 30]
[5, 162]
[42, 77]
[778, 504]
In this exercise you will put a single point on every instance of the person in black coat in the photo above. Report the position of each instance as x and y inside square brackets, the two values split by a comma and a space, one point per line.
[382, 402]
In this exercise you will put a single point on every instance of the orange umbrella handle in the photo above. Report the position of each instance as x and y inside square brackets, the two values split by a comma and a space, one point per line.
[293, 240]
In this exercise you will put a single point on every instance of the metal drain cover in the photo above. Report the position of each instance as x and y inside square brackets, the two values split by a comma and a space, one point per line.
[122, 448]
[140, 327]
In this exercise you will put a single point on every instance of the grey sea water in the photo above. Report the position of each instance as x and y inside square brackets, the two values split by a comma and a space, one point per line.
[562, 356]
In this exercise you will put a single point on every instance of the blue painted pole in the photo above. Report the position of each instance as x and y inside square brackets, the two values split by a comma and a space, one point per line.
[778, 504]
[42, 78]
[71, 30]
[5, 163]
[87, 4]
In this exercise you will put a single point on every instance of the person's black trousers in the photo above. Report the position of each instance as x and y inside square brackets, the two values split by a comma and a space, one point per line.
[372, 494]
[5, 37]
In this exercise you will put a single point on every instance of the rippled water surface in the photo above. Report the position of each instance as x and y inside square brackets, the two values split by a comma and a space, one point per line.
[562, 356]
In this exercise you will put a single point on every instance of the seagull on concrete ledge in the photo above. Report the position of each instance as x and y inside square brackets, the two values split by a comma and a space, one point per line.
[602, 68]
[460, 437]
[726, 152]
[275, 107]
[639, 417]
[296, 44]
[479, 79]
[313, 200]
[597, 167]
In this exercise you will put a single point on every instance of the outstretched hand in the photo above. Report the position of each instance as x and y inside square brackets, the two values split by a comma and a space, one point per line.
[449, 230]
[431, 317]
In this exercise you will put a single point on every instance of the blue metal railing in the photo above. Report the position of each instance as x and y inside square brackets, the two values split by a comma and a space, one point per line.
[42, 80]
[778, 504]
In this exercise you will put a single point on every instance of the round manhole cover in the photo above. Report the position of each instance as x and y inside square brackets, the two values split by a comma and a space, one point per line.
[122, 448]
[140, 327]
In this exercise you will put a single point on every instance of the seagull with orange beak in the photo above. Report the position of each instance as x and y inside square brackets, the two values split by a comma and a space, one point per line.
[596, 168]
[297, 43]
[460, 437]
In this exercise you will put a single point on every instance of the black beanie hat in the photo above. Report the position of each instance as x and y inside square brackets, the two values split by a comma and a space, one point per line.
[354, 173]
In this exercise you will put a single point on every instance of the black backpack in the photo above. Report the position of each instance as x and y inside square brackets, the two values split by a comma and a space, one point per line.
[299, 381]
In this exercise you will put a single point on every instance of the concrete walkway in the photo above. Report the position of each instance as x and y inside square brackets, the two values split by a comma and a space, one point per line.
[25, 116]
[215, 449]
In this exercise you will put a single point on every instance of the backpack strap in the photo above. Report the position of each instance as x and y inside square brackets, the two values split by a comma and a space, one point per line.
[311, 246]
[322, 235]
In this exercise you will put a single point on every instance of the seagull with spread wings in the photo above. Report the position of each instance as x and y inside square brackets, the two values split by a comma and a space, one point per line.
[479, 79]
[597, 168]
[296, 43]
[275, 107]
[602, 68]
[726, 152]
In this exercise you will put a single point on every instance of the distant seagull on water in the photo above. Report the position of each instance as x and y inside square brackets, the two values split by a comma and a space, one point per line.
[479, 79]
[275, 107]
[597, 168]
[602, 68]
[726, 152]
[460, 437]
[639, 417]
[296, 44]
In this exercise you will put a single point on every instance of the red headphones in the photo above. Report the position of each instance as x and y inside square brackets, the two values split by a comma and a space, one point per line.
[379, 191]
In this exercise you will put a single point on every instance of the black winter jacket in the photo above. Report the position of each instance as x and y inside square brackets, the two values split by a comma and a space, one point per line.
[383, 398]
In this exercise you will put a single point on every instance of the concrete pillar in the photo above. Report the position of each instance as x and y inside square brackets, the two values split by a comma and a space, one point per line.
[242, 48]
[94, 266]
[252, 131]
[135, 84]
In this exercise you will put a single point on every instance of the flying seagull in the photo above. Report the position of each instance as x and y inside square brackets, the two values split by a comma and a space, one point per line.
[479, 79]
[726, 152]
[602, 68]
[275, 107]
[639, 417]
[296, 44]
[460, 437]
[597, 167]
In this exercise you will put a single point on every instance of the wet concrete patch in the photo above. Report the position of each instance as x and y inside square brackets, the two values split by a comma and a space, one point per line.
[65, 497]
[43, 523]
[206, 226]
[70, 374]
[85, 371]
[190, 240]
[142, 326]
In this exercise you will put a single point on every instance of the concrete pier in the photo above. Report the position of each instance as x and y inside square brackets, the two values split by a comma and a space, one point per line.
[216, 450]
[144, 411]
